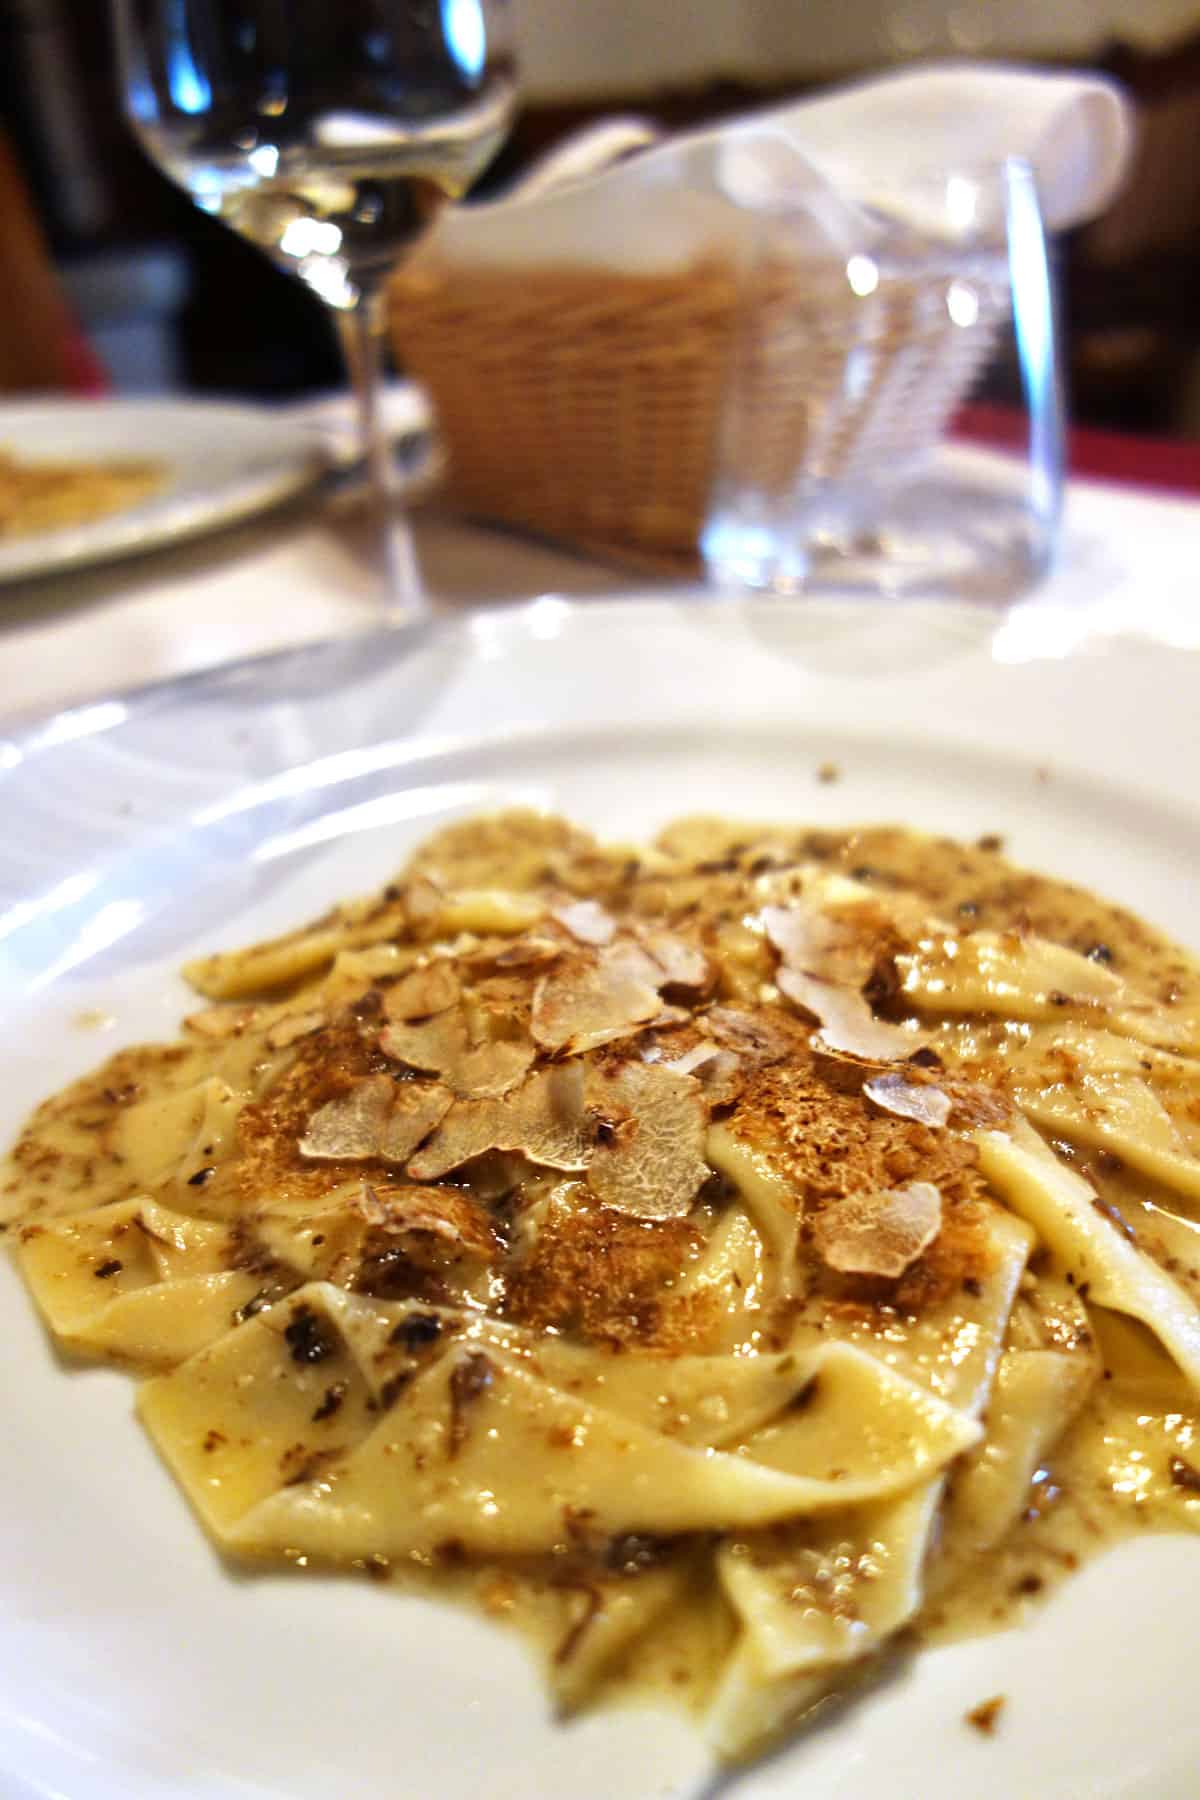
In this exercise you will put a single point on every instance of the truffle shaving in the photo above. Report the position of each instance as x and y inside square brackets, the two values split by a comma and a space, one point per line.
[423, 992]
[434, 1045]
[918, 1100]
[469, 1129]
[681, 963]
[524, 953]
[294, 1026]
[587, 922]
[802, 934]
[377, 1117]
[443, 1213]
[848, 1027]
[221, 1021]
[880, 1233]
[652, 1164]
[590, 999]
[423, 900]
[718, 1071]
[491, 1068]
[669, 1016]
[758, 1038]
[442, 1044]
[417, 1107]
[545, 1119]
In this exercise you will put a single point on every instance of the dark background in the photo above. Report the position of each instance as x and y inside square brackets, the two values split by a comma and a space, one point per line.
[1131, 280]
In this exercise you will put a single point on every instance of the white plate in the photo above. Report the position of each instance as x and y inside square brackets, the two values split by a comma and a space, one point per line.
[131, 1662]
[222, 462]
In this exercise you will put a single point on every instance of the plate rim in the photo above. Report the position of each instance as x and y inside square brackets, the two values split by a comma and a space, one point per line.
[123, 535]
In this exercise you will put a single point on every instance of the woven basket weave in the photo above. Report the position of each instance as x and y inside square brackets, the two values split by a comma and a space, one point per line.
[586, 405]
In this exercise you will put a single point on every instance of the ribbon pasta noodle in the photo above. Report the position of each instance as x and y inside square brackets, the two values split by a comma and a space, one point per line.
[47, 496]
[713, 1258]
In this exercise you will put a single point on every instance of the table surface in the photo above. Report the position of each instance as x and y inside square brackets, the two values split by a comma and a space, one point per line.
[1127, 563]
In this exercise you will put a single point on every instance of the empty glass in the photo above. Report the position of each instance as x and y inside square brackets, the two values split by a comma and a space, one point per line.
[840, 460]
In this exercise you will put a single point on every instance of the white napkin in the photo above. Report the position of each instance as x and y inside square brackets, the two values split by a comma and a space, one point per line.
[831, 160]
[874, 138]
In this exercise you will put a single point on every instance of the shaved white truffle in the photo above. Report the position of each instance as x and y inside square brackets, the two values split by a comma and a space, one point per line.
[880, 1233]
[919, 1100]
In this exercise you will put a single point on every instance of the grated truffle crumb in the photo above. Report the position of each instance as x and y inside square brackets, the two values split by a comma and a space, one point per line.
[986, 1716]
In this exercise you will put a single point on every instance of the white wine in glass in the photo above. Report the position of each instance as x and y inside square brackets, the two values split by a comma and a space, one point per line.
[327, 132]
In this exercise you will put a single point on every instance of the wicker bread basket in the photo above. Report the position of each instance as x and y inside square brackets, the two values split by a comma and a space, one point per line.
[576, 403]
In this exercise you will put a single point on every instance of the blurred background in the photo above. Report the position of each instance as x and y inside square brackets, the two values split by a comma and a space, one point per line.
[166, 298]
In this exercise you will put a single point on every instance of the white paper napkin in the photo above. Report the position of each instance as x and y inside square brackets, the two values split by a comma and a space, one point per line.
[832, 160]
[876, 137]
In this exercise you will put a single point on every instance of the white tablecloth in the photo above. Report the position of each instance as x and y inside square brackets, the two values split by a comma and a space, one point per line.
[1128, 564]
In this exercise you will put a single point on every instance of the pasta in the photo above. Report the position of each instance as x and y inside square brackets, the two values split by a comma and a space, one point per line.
[715, 1258]
[45, 496]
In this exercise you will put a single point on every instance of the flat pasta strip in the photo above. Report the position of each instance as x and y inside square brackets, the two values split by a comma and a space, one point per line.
[829, 1413]
[1037, 1395]
[821, 1595]
[733, 1277]
[297, 956]
[829, 1592]
[174, 1137]
[242, 1412]
[134, 1280]
[1062, 1208]
[867, 1430]
[602, 1622]
[697, 1400]
[258, 1409]
[1001, 972]
[158, 1327]
[1108, 1101]
[79, 1155]
[767, 1197]
[775, 1674]
[503, 1472]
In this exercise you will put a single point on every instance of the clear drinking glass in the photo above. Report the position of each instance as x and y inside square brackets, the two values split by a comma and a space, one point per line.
[838, 462]
[327, 132]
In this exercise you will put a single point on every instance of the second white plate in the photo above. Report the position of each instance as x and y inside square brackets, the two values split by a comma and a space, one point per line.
[222, 463]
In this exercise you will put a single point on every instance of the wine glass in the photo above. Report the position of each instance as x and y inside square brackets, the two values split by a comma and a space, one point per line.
[327, 132]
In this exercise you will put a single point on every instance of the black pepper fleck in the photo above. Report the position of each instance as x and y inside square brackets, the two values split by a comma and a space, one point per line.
[470, 1379]
[392, 1389]
[308, 1341]
[1183, 1475]
[417, 1332]
[253, 1305]
[804, 1396]
[331, 1400]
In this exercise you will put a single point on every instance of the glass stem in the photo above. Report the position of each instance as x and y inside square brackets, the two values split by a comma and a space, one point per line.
[361, 329]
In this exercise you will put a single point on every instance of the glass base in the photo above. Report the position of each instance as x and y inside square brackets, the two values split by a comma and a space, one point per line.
[940, 536]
